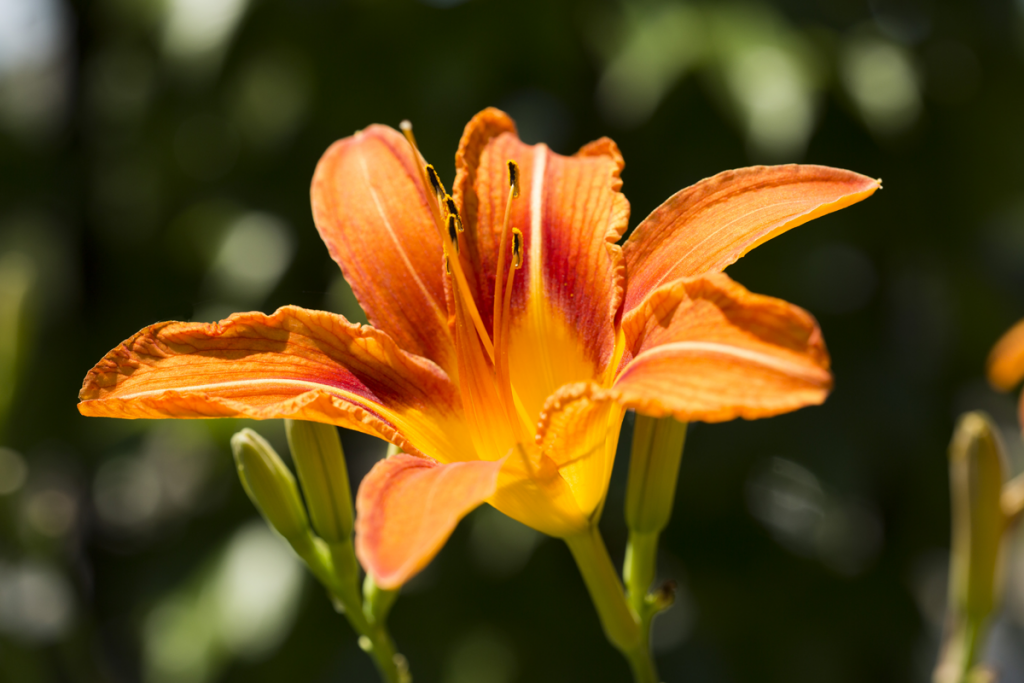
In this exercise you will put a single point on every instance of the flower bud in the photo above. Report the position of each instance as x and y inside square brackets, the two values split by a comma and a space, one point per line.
[653, 472]
[320, 461]
[977, 472]
[270, 486]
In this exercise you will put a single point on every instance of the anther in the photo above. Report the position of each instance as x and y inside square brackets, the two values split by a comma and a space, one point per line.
[517, 248]
[453, 231]
[453, 211]
[447, 266]
[513, 177]
[435, 181]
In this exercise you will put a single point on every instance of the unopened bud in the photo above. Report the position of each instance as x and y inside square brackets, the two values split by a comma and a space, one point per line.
[653, 472]
[270, 486]
[320, 461]
[977, 471]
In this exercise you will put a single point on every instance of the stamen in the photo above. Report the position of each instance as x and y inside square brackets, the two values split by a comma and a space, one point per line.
[513, 177]
[517, 414]
[513, 192]
[452, 265]
[453, 232]
[517, 248]
[461, 288]
[435, 181]
[425, 176]
[453, 211]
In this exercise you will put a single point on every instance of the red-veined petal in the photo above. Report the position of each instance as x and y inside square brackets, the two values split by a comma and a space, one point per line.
[370, 206]
[711, 224]
[707, 349]
[407, 507]
[296, 363]
[571, 214]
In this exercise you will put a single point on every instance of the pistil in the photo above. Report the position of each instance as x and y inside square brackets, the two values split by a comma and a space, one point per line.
[453, 264]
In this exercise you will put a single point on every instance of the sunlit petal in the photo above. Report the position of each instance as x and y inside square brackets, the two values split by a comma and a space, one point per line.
[370, 207]
[707, 226]
[295, 363]
[707, 349]
[407, 507]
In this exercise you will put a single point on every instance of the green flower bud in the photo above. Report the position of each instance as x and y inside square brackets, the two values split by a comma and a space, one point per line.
[653, 472]
[271, 486]
[977, 472]
[320, 461]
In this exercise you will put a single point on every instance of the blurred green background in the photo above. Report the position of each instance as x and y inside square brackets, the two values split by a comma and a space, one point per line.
[155, 159]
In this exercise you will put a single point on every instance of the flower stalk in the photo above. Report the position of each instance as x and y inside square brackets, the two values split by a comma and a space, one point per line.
[621, 624]
[325, 545]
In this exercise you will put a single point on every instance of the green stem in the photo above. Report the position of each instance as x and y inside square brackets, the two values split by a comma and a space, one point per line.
[334, 566]
[620, 622]
[379, 645]
[639, 568]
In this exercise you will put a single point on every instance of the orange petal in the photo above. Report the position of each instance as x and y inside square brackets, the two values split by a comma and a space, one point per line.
[571, 214]
[707, 226]
[296, 363]
[407, 507]
[370, 207]
[1005, 366]
[707, 349]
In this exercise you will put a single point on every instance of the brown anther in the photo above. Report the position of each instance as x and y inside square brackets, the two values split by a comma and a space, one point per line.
[447, 266]
[453, 231]
[435, 181]
[517, 248]
[453, 211]
[513, 177]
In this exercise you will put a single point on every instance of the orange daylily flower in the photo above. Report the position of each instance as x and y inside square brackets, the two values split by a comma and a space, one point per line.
[511, 331]
[1005, 366]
